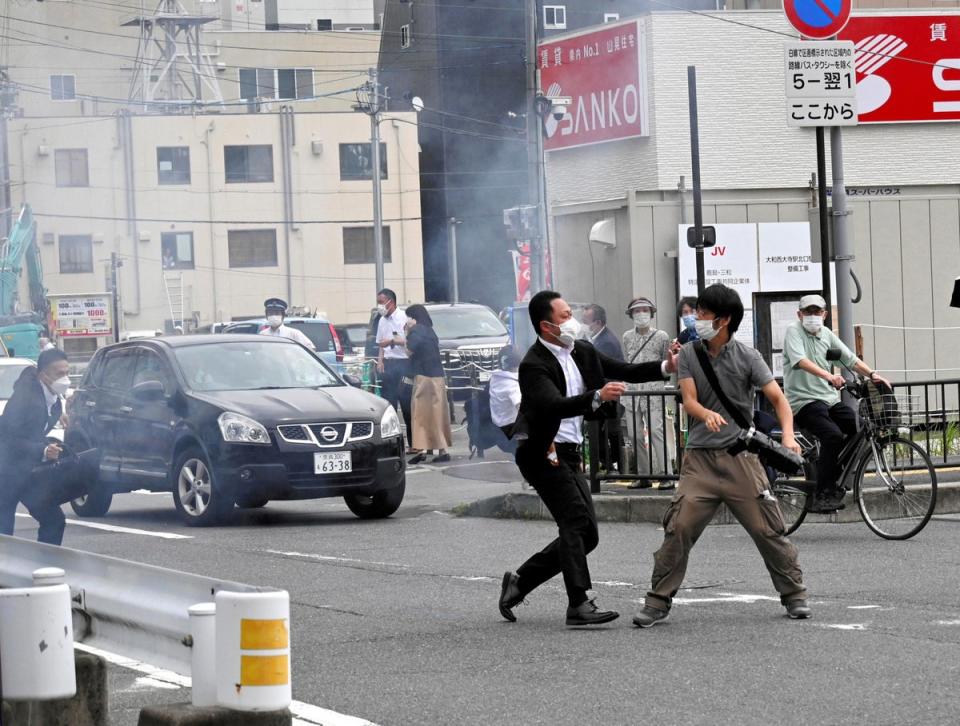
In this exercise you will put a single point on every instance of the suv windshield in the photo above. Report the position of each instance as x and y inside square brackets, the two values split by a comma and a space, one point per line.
[251, 366]
[8, 376]
[318, 332]
[463, 322]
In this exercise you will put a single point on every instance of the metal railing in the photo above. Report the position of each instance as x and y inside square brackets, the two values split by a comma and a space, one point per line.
[934, 422]
[135, 610]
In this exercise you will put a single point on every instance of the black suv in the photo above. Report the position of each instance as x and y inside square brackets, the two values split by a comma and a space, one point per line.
[232, 419]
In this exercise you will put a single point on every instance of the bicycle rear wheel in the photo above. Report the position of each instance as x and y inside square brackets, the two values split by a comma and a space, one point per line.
[792, 493]
[896, 488]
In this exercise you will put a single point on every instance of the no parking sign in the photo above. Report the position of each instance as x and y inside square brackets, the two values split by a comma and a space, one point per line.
[819, 19]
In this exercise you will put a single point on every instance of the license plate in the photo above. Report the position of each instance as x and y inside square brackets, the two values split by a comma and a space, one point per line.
[332, 463]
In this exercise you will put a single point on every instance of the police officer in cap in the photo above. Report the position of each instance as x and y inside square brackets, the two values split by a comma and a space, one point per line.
[276, 309]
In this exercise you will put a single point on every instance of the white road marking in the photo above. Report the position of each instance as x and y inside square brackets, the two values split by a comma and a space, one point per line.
[329, 558]
[307, 714]
[948, 622]
[615, 583]
[121, 530]
[843, 626]
[863, 607]
[725, 597]
[465, 578]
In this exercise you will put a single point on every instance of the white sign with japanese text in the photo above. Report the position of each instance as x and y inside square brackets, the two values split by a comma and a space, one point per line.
[785, 264]
[820, 83]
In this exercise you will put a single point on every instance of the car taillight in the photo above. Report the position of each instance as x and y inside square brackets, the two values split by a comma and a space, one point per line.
[338, 346]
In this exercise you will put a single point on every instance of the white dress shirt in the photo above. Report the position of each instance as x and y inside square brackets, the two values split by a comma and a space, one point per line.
[571, 429]
[285, 331]
[504, 397]
[387, 327]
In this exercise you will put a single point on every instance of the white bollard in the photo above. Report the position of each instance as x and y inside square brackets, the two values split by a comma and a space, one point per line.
[203, 655]
[49, 576]
[253, 650]
[36, 643]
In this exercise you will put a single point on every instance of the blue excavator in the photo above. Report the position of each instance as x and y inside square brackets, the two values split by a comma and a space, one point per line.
[20, 330]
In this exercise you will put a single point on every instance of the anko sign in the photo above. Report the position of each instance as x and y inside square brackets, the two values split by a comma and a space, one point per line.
[604, 73]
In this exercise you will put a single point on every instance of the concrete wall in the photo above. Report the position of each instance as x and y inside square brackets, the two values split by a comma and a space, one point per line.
[209, 208]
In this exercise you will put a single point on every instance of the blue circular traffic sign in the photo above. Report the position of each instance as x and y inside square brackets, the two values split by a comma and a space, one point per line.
[818, 19]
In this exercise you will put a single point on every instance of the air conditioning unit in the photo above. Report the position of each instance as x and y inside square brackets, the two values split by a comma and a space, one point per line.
[43, 150]
[316, 147]
[144, 235]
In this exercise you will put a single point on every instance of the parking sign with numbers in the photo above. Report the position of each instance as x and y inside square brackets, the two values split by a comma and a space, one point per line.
[820, 83]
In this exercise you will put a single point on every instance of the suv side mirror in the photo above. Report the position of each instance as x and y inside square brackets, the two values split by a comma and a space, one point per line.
[834, 354]
[148, 391]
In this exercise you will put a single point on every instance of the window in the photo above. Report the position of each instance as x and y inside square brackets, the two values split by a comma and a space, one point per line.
[611, 17]
[324, 24]
[272, 83]
[358, 247]
[405, 36]
[150, 367]
[76, 253]
[118, 369]
[177, 250]
[70, 167]
[248, 163]
[355, 162]
[63, 88]
[555, 17]
[252, 247]
[173, 164]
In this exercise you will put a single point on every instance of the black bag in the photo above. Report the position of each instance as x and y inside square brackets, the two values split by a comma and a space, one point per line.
[68, 477]
[751, 438]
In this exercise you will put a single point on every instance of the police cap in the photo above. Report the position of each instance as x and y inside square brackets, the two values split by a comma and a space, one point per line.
[275, 303]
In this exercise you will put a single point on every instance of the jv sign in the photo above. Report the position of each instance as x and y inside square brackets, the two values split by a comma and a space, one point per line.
[907, 67]
[604, 72]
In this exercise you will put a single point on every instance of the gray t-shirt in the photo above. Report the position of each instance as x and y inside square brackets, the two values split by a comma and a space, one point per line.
[741, 371]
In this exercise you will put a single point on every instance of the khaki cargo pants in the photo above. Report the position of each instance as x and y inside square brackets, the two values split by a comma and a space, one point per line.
[711, 477]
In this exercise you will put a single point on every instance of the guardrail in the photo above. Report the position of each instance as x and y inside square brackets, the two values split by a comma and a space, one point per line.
[138, 611]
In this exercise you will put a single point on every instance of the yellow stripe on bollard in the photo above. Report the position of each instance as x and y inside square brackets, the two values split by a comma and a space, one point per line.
[264, 634]
[264, 670]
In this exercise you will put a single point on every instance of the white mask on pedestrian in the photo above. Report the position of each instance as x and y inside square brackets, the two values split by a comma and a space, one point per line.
[61, 386]
[812, 323]
[274, 321]
[705, 330]
[642, 320]
[382, 311]
[569, 331]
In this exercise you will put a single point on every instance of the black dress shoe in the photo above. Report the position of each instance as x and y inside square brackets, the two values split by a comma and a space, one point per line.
[587, 613]
[417, 459]
[441, 459]
[510, 595]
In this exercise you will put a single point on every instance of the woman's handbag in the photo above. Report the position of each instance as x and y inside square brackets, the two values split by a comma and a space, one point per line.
[751, 438]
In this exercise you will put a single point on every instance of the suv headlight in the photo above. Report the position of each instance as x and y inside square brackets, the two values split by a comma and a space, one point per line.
[237, 429]
[390, 423]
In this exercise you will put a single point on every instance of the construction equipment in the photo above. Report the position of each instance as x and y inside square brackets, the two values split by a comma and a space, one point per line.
[20, 331]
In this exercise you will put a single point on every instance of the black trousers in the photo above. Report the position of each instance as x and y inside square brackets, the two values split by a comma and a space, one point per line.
[35, 496]
[832, 425]
[566, 494]
[396, 391]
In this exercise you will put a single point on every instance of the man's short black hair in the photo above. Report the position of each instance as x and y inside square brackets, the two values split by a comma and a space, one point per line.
[541, 307]
[689, 301]
[724, 302]
[389, 294]
[599, 314]
[49, 357]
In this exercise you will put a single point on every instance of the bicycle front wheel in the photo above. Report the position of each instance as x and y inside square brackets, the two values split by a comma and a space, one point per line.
[896, 488]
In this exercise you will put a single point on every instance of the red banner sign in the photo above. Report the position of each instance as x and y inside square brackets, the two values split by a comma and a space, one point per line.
[908, 67]
[604, 74]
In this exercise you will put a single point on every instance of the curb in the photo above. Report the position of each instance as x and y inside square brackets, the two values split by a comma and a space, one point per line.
[651, 507]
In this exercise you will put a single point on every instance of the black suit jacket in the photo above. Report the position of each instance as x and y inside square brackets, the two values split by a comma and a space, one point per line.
[543, 387]
[24, 425]
[609, 344]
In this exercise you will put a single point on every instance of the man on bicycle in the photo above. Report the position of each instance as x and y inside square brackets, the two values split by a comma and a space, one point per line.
[813, 391]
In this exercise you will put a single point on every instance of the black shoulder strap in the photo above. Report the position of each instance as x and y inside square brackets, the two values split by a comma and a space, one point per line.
[634, 358]
[711, 375]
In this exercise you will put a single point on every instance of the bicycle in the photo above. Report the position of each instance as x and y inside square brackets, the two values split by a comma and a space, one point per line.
[891, 476]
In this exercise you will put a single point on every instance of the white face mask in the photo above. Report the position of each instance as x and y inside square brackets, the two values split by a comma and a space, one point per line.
[61, 386]
[812, 323]
[642, 320]
[382, 311]
[705, 330]
[274, 321]
[569, 330]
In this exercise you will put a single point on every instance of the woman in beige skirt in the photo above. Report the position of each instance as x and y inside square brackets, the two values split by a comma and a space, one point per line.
[430, 416]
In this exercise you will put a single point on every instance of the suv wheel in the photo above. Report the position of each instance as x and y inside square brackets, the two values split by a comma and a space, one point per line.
[198, 500]
[378, 505]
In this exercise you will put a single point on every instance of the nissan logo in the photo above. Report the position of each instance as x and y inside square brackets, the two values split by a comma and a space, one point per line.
[329, 434]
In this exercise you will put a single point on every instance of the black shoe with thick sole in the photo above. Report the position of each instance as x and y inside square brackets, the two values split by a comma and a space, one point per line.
[588, 613]
[510, 595]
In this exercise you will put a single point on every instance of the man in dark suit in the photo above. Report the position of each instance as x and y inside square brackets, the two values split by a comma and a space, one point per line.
[563, 380]
[603, 339]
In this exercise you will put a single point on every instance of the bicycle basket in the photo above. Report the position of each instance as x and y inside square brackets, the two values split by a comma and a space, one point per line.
[886, 409]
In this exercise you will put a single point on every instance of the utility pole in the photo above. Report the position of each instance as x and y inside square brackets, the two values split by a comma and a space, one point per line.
[534, 154]
[695, 159]
[842, 249]
[8, 97]
[368, 101]
[115, 263]
[824, 222]
[454, 270]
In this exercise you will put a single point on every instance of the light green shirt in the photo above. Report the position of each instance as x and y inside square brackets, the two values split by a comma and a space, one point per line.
[802, 387]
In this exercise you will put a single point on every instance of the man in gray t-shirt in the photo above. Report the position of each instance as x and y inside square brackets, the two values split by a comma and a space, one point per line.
[711, 475]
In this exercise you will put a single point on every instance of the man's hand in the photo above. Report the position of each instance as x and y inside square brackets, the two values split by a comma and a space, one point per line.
[791, 443]
[52, 452]
[837, 381]
[714, 421]
[672, 359]
[675, 347]
[877, 378]
[380, 366]
[612, 391]
[64, 420]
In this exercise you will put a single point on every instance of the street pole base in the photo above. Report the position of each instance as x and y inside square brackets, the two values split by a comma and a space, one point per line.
[185, 714]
